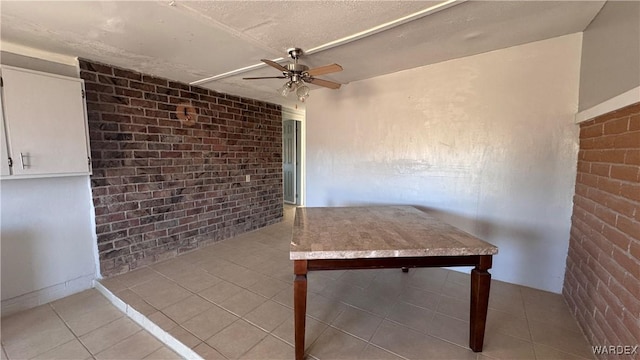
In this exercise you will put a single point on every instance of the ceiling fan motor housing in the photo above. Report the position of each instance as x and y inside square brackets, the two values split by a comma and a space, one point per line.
[297, 68]
[295, 53]
[296, 71]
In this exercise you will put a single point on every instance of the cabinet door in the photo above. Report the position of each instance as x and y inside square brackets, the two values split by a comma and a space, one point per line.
[4, 155]
[45, 120]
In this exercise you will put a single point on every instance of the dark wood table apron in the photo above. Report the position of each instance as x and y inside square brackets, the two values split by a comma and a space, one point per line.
[480, 277]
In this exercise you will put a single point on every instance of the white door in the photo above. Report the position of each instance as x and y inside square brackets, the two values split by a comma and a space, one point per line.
[289, 161]
[45, 120]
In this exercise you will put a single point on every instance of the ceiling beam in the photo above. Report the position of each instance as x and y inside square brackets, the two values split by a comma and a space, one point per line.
[345, 40]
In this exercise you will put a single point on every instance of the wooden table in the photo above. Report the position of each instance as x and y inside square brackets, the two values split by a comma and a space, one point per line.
[385, 237]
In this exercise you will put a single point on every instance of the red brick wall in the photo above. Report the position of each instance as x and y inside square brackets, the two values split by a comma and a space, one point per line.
[602, 281]
[161, 187]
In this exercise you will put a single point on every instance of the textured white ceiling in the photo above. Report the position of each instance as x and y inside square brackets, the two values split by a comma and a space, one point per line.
[194, 40]
[304, 24]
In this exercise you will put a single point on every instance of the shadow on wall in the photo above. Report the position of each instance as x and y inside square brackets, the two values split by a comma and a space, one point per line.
[506, 237]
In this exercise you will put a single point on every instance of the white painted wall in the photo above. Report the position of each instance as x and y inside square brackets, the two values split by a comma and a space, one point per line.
[611, 53]
[48, 241]
[487, 142]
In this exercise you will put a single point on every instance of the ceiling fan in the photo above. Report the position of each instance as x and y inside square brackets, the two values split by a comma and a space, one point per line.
[298, 74]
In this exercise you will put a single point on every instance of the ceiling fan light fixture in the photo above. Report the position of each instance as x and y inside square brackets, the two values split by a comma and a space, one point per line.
[302, 92]
[287, 88]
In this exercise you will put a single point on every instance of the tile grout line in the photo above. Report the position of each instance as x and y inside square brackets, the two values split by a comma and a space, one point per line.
[533, 342]
[202, 341]
[93, 356]
[308, 347]
[4, 352]
[526, 319]
[385, 350]
[368, 342]
[167, 277]
[254, 345]
[164, 337]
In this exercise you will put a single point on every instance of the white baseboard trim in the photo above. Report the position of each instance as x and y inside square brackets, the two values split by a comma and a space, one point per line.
[149, 325]
[46, 295]
[630, 97]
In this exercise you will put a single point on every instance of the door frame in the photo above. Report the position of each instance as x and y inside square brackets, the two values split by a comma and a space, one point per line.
[291, 160]
[298, 115]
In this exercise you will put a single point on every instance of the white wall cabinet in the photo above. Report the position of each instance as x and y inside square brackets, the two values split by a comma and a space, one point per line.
[45, 124]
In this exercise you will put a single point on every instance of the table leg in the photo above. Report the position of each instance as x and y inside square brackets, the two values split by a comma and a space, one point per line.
[299, 305]
[480, 285]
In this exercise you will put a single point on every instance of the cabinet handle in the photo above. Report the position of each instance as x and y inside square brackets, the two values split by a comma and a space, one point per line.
[22, 160]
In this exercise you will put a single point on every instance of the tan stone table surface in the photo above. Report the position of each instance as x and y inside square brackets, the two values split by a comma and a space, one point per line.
[378, 231]
[373, 237]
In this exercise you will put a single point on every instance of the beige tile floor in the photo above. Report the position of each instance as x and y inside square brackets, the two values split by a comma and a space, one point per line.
[81, 326]
[233, 300]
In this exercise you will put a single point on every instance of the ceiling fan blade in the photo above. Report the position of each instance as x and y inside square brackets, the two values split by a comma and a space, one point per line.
[327, 69]
[274, 64]
[325, 83]
[265, 77]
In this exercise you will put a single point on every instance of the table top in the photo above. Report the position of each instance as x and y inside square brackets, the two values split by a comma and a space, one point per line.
[378, 232]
